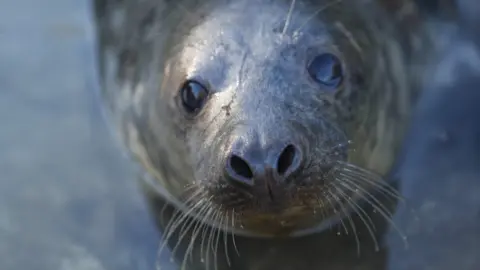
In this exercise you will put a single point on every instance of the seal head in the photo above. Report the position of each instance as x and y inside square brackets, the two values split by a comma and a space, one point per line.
[270, 125]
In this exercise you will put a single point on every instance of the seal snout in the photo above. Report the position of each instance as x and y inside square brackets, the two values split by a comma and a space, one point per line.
[253, 166]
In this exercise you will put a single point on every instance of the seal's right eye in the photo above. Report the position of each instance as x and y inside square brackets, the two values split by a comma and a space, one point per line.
[193, 96]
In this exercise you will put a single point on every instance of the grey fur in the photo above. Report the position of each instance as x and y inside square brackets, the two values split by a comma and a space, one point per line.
[257, 72]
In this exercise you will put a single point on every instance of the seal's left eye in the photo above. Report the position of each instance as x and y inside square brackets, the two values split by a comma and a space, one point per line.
[326, 69]
[193, 96]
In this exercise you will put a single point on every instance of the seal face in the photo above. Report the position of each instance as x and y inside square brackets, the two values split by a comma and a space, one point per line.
[265, 117]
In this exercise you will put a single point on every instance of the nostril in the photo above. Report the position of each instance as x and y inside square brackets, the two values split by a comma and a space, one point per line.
[240, 167]
[286, 159]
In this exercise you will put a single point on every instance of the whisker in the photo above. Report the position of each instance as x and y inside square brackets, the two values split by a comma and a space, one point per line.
[357, 206]
[361, 181]
[349, 36]
[193, 196]
[233, 234]
[335, 210]
[183, 231]
[203, 255]
[225, 238]
[320, 207]
[191, 207]
[202, 224]
[382, 186]
[218, 218]
[164, 239]
[179, 222]
[323, 211]
[377, 205]
[370, 178]
[210, 240]
[189, 250]
[177, 219]
[362, 214]
[168, 231]
[352, 224]
[321, 9]
[358, 184]
[367, 193]
[289, 17]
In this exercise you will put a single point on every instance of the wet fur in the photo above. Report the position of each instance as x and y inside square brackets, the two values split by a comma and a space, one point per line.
[356, 131]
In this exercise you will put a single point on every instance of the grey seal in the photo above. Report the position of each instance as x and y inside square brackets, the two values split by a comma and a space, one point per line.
[260, 118]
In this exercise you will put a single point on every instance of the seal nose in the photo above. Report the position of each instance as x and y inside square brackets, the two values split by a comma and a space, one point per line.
[250, 162]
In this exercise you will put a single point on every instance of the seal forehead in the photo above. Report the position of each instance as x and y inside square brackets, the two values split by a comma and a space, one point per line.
[235, 29]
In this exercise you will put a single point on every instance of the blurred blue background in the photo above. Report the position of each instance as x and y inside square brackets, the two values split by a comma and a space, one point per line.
[68, 197]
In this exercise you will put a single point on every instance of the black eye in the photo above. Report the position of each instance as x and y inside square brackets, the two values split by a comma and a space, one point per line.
[326, 69]
[193, 96]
